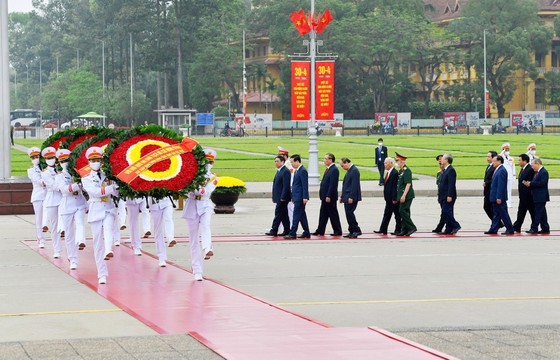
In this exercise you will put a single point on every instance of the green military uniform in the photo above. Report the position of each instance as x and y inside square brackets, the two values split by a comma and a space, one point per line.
[405, 177]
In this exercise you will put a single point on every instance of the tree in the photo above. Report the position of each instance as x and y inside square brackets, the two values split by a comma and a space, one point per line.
[514, 33]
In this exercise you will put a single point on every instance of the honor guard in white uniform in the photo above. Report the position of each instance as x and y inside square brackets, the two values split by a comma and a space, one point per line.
[52, 198]
[286, 154]
[531, 152]
[38, 193]
[133, 209]
[198, 213]
[102, 211]
[72, 209]
[162, 214]
[509, 165]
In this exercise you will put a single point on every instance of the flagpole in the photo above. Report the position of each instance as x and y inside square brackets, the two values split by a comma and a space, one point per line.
[485, 81]
[313, 148]
[244, 81]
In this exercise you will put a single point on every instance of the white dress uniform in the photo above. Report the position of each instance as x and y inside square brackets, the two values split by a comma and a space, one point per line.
[198, 211]
[72, 211]
[509, 165]
[162, 214]
[133, 208]
[102, 214]
[52, 200]
[531, 152]
[37, 195]
[146, 219]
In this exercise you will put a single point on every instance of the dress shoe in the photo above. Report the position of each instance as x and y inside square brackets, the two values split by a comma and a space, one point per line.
[56, 255]
[410, 232]
[102, 280]
[397, 233]
[347, 235]
[381, 184]
[531, 231]
[208, 254]
[172, 243]
[284, 233]
[336, 234]
[42, 243]
[73, 265]
[454, 231]
[508, 232]
[358, 233]
[81, 246]
[380, 232]
[162, 263]
[316, 233]
[490, 232]
[437, 231]
[137, 252]
[147, 234]
[117, 243]
[305, 236]
[109, 255]
[198, 277]
[62, 234]
[123, 227]
[270, 233]
[445, 233]
[544, 232]
[517, 230]
[289, 237]
[353, 236]
[45, 228]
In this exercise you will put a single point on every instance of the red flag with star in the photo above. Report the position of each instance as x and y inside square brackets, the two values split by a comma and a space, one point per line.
[324, 21]
[300, 21]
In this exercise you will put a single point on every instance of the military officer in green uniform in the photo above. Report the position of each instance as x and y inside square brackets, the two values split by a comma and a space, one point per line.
[405, 194]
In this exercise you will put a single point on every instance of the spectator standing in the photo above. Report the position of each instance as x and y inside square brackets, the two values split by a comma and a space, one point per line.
[380, 156]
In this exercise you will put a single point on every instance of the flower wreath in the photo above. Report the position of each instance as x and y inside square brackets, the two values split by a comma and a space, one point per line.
[80, 135]
[169, 175]
[78, 165]
[56, 139]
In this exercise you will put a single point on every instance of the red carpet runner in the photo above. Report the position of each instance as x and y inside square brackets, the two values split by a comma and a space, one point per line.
[233, 324]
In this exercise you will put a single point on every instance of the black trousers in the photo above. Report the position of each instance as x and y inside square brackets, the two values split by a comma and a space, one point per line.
[524, 206]
[329, 211]
[390, 210]
[349, 209]
[281, 217]
[541, 217]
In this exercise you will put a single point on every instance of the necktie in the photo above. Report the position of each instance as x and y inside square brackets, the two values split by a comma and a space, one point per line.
[386, 176]
[99, 174]
[326, 170]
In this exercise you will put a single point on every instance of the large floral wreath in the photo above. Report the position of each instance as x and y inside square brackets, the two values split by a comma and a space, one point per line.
[78, 164]
[80, 135]
[57, 139]
[169, 175]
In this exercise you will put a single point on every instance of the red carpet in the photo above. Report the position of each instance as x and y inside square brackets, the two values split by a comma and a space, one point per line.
[233, 324]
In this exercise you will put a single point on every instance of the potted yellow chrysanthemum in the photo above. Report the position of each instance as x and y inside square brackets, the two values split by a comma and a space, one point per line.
[226, 194]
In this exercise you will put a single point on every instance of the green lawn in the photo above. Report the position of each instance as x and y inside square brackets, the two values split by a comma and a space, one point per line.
[469, 153]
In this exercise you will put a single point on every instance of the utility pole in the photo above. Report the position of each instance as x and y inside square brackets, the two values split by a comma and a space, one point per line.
[5, 125]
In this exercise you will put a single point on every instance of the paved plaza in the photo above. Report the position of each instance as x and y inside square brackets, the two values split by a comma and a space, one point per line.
[471, 296]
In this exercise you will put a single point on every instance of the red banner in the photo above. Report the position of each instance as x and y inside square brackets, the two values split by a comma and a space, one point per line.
[324, 90]
[301, 88]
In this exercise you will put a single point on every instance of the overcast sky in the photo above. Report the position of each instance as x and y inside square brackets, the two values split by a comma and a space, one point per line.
[19, 5]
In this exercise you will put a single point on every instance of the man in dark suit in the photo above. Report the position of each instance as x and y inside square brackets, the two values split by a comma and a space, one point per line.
[328, 193]
[488, 182]
[525, 198]
[281, 195]
[447, 194]
[390, 196]
[441, 223]
[498, 197]
[380, 156]
[351, 195]
[300, 197]
[539, 190]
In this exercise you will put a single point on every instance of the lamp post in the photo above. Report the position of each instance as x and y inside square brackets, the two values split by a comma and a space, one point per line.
[5, 167]
[485, 80]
